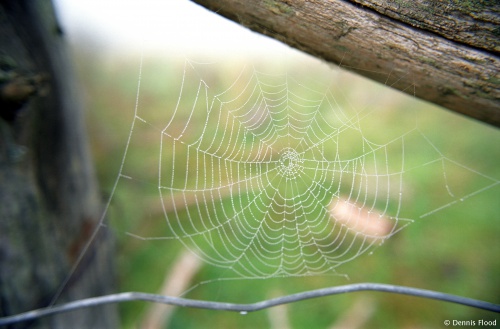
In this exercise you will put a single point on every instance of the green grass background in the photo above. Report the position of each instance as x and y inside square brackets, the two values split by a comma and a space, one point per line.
[454, 251]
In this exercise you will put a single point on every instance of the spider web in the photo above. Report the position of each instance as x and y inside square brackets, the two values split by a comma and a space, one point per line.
[268, 174]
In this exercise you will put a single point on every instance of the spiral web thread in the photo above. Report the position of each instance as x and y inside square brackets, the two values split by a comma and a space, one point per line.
[269, 176]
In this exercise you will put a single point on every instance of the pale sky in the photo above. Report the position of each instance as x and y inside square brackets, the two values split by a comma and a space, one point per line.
[177, 27]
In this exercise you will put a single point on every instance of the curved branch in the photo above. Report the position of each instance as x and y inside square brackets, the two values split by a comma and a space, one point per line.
[245, 308]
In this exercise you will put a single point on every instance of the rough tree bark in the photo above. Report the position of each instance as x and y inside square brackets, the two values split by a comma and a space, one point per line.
[448, 49]
[49, 205]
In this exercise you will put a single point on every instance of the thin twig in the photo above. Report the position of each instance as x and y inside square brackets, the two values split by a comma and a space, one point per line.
[245, 308]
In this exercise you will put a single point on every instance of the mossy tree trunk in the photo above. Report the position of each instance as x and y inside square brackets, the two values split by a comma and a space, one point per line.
[448, 49]
[49, 202]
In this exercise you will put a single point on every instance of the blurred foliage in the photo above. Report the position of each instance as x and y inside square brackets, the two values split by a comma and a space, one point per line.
[454, 250]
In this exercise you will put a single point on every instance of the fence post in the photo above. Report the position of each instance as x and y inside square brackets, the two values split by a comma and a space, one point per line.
[49, 201]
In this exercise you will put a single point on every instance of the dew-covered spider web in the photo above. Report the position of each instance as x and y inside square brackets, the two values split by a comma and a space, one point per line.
[265, 171]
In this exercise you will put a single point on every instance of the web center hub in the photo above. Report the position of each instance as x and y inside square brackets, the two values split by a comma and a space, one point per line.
[290, 162]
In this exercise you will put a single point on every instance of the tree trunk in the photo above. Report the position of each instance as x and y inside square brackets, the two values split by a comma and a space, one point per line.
[449, 50]
[49, 203]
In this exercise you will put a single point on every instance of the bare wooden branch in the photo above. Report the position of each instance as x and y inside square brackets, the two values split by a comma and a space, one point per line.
[448, 50]
[473, 23]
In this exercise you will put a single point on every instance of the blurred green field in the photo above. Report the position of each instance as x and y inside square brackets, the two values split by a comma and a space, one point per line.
[454, 250]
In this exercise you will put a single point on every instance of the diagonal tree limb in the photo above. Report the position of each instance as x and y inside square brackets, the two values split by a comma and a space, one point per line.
[448, 50]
